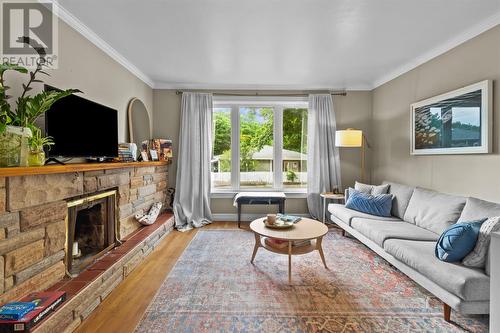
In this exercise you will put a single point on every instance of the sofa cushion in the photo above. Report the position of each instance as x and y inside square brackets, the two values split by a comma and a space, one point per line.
[371, 189]
[470, 284]
[345, 214]
[402, 195]
[476, 209]
[380, 231]
[432, 210]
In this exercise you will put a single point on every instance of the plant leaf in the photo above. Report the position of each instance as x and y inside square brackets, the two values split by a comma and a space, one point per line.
[12, 67]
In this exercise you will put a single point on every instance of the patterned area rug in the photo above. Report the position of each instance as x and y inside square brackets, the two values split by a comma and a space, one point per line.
[214, 288]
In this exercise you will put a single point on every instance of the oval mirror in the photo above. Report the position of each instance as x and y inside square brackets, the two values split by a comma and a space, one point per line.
[139, 126]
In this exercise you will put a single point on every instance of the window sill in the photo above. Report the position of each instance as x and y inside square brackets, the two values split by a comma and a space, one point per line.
[231, 193]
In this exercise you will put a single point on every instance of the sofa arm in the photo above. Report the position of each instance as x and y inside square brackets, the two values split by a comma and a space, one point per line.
[494, 281]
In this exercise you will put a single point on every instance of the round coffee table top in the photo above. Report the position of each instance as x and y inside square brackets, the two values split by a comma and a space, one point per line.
[302, 230]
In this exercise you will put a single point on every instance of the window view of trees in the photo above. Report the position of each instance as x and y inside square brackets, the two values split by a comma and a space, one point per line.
[295, 147]
[256, 149]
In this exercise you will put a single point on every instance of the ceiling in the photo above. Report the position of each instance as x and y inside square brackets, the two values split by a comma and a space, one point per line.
[277, 44]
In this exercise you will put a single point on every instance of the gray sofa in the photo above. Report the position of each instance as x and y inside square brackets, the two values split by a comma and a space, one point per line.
[407, 240]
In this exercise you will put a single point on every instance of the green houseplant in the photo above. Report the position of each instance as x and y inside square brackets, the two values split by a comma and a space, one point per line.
[18, 125]
[37, 143]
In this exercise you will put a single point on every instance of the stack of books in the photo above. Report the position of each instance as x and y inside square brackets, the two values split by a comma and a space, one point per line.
[16, 310]
[125, 153]
[22, 316]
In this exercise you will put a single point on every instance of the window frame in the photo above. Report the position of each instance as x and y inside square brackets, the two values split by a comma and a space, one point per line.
[278, 104]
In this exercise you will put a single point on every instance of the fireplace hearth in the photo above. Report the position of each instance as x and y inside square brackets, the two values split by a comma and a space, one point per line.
[90, 230]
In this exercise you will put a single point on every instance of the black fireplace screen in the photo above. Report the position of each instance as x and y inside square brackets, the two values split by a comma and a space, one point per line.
[90, 230]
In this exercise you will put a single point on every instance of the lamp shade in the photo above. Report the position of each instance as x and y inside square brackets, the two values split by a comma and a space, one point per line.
[349, 138]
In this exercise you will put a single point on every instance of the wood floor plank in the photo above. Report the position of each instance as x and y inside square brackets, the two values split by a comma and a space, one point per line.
[122, 310]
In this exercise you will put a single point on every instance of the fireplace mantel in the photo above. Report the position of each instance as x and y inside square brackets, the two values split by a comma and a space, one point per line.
[74, 167]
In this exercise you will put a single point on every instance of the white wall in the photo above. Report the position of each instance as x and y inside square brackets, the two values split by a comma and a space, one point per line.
[84, 66]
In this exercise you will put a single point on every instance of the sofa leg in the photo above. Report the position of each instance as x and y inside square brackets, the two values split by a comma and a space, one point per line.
[447, 312]
[343, 232]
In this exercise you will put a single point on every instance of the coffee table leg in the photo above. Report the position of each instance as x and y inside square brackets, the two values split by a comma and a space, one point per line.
[256, 247]
[289, 262]
[320, 250]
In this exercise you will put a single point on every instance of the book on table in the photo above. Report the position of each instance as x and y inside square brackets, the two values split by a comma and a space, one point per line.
[282, 244]
[15, 310]
[288, 218]
[44, 303]
[276, 243]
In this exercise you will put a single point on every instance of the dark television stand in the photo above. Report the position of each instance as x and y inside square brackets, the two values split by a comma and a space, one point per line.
[54, 160]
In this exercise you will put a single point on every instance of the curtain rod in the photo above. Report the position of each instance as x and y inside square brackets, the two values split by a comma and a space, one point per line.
[334, 93]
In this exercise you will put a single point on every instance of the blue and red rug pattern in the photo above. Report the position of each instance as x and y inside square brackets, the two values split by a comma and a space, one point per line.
[214, 288]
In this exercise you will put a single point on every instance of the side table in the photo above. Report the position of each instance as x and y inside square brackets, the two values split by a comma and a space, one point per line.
[330, 196]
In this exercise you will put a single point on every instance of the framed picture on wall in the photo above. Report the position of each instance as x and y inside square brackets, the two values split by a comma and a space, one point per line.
[458, 122]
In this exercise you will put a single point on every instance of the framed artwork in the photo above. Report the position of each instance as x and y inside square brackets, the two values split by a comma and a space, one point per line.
[458, 122]
[144, 155]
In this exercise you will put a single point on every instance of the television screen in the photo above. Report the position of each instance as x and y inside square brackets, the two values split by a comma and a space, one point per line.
[82, 128]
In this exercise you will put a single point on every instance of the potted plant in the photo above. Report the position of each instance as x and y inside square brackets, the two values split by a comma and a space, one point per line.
[17, 126]
[37, 143]
[12, 138]
[291, 176]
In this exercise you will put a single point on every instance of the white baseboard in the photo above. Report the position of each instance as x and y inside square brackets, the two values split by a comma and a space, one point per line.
[245, 217]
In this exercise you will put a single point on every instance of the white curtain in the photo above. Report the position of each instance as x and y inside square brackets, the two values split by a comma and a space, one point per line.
[192, 195]
[323, 162]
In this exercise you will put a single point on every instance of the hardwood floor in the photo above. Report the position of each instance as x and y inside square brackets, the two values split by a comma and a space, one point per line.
[122, 310]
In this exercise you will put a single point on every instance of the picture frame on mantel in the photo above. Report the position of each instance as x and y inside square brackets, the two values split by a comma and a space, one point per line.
[457, 122]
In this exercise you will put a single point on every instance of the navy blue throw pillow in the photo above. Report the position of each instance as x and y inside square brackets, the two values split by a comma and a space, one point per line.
[379, 205]
[458, 241]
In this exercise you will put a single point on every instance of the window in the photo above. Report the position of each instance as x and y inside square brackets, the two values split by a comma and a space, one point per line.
[259, 143]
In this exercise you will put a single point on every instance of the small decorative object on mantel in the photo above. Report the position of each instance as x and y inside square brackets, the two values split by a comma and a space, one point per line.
[457, 122]
[37, 144]
[144, 156]
[127, 152]
[158, 149]
[163, 147]
[154, 154]
[151, 216]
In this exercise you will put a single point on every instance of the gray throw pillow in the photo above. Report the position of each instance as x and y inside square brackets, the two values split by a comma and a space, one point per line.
[477, 258]
[371, 189]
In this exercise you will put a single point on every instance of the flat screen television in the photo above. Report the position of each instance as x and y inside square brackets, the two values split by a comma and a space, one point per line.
[81, 128]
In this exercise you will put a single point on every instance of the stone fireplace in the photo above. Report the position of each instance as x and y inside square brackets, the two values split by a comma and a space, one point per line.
[44, 209]
[91, 230]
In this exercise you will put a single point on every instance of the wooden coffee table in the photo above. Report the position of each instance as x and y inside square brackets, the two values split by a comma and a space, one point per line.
[305, 229]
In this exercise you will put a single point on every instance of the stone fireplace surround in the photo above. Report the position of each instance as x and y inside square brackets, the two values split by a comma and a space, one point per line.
[33, 209]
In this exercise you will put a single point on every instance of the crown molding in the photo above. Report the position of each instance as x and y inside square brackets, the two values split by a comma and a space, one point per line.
[468, 34]
[89, 34]
[283, 87]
